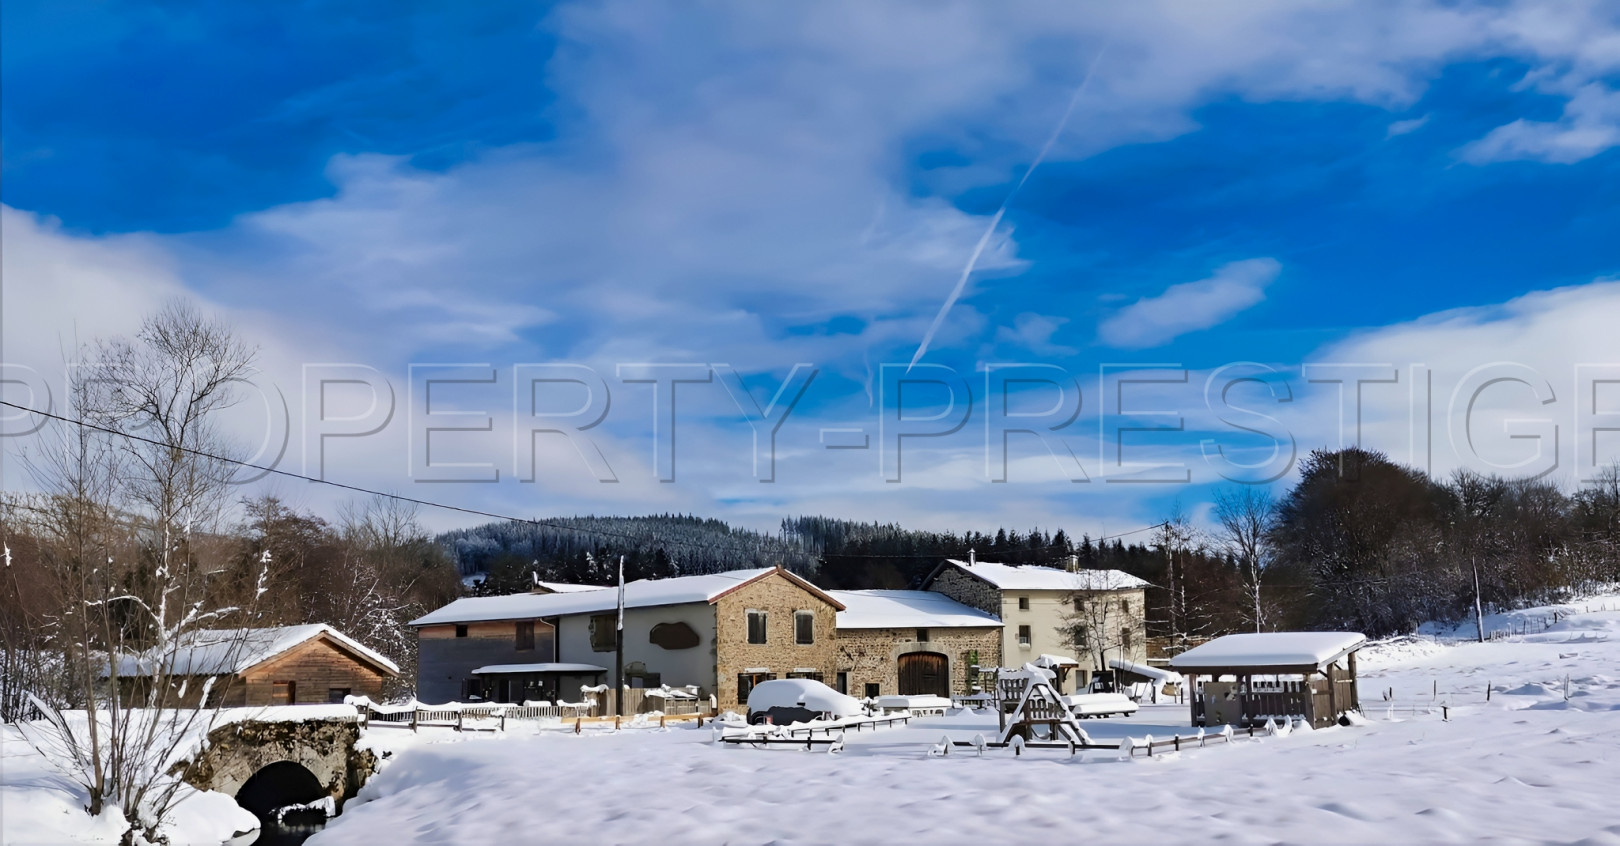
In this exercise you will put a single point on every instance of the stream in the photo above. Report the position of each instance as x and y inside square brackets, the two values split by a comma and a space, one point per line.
[292, 832]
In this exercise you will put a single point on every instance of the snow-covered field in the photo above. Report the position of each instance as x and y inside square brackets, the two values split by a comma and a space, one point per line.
[1529, 766]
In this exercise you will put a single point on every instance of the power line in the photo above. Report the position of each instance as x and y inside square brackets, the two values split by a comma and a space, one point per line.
[460, 509]
[369, 491]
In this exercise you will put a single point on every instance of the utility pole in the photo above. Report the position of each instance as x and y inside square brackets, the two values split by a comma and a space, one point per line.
[618, 650]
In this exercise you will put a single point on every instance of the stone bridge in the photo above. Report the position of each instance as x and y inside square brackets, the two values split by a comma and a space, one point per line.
[272, 764]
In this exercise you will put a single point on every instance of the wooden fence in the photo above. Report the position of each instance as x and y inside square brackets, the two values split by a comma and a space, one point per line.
[493, 717]
[1197, 741]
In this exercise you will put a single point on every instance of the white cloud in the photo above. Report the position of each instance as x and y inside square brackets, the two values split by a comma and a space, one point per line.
[1432, 418]
[1190, 306]
[1590, 125]
[1034, 332]
[715, 178]
[1403, 127]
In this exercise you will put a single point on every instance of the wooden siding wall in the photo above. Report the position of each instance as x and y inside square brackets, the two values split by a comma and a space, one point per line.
[316, 666]
[496, 630]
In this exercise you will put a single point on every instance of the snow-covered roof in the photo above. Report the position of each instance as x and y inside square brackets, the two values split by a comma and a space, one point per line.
[1031, 577]
[906, 609]
[1156, 673]
[499, 669]
[564, 587]
[1050, 662]
[644, 593]
[1270, 649]
[221, 652]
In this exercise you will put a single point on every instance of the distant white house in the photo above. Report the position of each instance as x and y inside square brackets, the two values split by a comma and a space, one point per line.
[1035, 604]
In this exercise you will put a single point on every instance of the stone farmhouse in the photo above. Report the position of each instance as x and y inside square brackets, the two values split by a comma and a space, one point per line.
[722, 633]
[286, 665]
[911, 642]
[1039, 607]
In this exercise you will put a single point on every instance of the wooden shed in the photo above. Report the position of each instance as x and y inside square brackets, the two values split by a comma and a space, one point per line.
[285, 665]
[1246, 679]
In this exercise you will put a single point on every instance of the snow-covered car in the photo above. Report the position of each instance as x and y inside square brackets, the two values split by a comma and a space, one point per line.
[784, 701]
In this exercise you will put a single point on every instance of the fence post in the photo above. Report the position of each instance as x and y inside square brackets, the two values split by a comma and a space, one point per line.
[503, 721]
[458, 720]
[577, 721]
[415, 715]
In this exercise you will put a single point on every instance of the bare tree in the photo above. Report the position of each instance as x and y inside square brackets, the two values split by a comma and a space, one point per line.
[1245, 516]
[1175, 539]
[1097, 620]
[392, 573]
[135, 492]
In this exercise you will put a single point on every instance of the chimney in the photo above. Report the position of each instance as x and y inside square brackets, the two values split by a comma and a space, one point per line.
[970, 556]
[1071, 563]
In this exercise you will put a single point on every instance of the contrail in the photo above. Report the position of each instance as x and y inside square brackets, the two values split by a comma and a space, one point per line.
[978, 249]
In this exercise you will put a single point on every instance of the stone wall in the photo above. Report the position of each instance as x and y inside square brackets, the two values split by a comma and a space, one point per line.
[779, 597]
[873, 655]
[324, 747]
[971, 591]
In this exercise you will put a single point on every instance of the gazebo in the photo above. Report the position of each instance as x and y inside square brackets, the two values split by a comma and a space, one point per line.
[1245, 679]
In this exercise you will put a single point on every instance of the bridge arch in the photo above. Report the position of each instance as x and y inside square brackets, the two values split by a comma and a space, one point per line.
[280, 755]
[278, 785]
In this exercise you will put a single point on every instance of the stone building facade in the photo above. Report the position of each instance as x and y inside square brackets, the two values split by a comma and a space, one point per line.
[869, 659]
[969, 590]
[780, 601]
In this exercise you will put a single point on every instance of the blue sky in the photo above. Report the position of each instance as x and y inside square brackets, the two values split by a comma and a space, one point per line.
[761, 185]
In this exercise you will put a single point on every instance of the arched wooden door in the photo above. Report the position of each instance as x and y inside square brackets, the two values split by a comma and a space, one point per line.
[924, 673]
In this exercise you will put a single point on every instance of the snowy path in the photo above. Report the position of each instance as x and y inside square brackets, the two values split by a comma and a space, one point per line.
[1528, 767]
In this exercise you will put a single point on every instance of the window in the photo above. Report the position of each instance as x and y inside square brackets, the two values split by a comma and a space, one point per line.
[1079, 604]
[813, 675]
[922, 635]
[746, 682]
[461, 630]
[336, 695]
[872, 690]
[284, 692]
[473, 689]
[756, 626]
[1023, 636]
[1023, 603]
[604, 632]
[843, 683]
[804, 627]
[525, 635]
[1125, 607]
[1125, 637]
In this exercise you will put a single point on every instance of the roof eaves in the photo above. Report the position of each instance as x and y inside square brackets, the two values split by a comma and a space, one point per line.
[797, 580]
